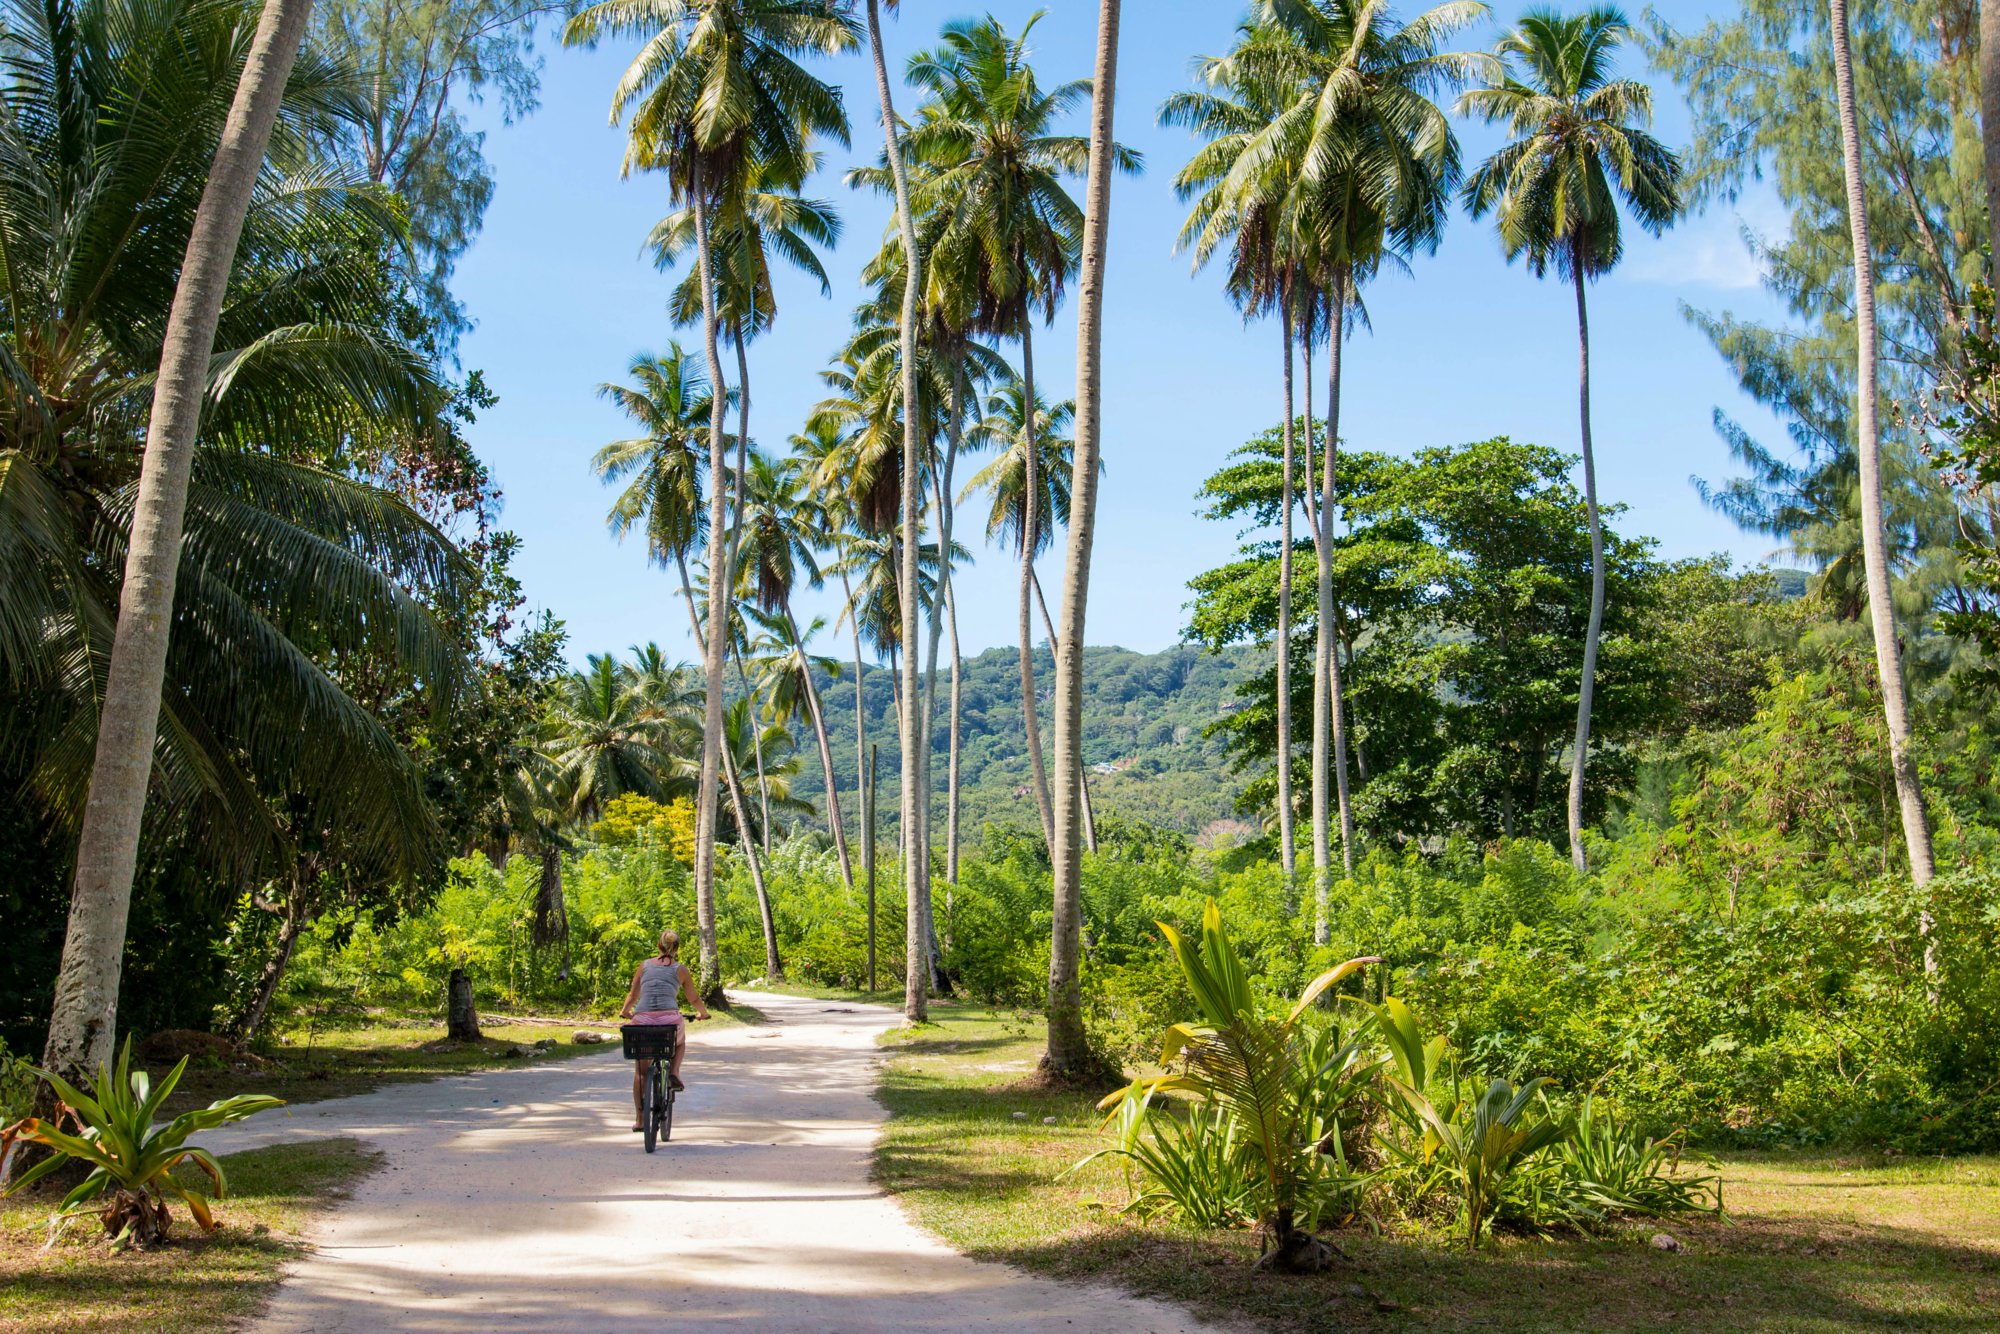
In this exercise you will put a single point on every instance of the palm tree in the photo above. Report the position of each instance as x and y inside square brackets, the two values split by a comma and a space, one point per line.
[1375, 162]
[1577, 147]
[1008, 230]
[916, 1005]
[1068, 1054]
[1240, 190]
[606, 738]
[1868, 447]
[662, 497]
[744, 738]
[121, 250]
[717, 84]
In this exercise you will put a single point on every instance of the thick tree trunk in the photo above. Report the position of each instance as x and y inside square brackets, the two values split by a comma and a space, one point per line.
[719, 585]
[1587, 686]
[1068, 1055]
[1874, 542]
[461, 1018]
[551, 921]
[910, 731]
[84, 1019]
[1287, 835]
[834, 820]
[1030, 518]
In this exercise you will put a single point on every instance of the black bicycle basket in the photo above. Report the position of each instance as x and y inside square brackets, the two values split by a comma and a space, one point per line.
[650, 1042]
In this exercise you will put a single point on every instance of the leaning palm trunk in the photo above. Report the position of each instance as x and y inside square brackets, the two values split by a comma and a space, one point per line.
[774, 967]
[1083, 775]
[1587, 686]
[719, 585]
[1881, 611]
[745, 836]
[735, 538]
[1030, 516]
[910, 729]
[1287, 837]
[834, 820]
[252, 1019]
[951, 628]
[85, 1013]
[1068, 1055]
[1330, 620]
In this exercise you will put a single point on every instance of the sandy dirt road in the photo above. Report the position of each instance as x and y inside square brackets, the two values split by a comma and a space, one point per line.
[521, 1200]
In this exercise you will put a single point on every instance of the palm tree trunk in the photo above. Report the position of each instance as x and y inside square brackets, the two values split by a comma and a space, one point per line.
[745, 835]
[1030, 518]
[860, 708]
[834, 821]
[1329, 462]
[735, 538]
[910, 732]
[951, 626]
[1322, 727]
[1083, 774]
[84, 1018]
[774, 967]
[719, 585]
[1068, 1055]
[1881, 611]
[1287, 835]
[1587, 686]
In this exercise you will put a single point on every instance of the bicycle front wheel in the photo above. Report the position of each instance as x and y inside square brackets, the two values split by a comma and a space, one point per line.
[649, 1112]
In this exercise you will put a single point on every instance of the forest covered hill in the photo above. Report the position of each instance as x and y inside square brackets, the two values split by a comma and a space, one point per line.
[1144, 718]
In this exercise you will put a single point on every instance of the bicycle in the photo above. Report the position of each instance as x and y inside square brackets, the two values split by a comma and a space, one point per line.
[655, 1043]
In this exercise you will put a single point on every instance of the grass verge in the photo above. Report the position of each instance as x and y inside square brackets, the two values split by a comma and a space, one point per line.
[1817, 1243]
[195, 1283]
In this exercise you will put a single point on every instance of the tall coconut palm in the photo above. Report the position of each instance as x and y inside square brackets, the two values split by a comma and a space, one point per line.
[661, 468]
[115, 183]
[1240, 192]
[916, 886]
[1375, 163]
[993, 174]
[1578, 145]
[1068, 1053]
[716, 84]
[1868, 450]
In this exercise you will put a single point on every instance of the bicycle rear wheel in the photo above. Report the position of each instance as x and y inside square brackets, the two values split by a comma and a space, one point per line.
[649, 1111]
[664, 1108]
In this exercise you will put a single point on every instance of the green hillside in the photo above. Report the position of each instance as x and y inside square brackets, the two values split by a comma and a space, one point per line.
[1142, 712]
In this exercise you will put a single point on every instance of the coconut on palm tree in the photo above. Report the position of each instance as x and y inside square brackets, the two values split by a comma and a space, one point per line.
[1577, 147]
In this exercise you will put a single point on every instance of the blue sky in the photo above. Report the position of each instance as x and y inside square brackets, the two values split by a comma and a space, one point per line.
[1463, 348]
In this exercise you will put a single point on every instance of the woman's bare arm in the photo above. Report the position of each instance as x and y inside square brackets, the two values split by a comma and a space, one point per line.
[632, 992]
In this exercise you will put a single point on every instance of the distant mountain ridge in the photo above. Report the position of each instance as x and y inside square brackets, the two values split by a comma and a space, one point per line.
[1144, 718]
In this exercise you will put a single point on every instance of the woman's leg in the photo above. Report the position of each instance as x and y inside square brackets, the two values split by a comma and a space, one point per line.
[639, 1069]
[680, 1048]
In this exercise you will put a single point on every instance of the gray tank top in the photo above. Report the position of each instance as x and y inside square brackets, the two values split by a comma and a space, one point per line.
[659, 986]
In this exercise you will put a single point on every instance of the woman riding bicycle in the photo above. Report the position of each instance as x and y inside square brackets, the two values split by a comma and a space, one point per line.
[654, 998]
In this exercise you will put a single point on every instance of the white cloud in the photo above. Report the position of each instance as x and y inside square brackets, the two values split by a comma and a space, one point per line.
[1708, 249]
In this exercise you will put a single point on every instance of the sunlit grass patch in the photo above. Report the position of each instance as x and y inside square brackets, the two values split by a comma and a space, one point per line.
[1817, 1243]
[196, 1282]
